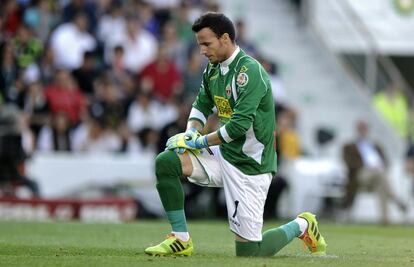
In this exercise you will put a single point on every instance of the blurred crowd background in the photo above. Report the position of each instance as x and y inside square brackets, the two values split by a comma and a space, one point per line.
[119, 76]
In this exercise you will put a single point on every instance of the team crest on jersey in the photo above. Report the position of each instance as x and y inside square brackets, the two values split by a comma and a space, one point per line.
[228, 91]
[242, 79]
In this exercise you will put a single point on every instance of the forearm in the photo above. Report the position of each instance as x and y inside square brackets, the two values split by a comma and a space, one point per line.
[213, 139]
[195, 124]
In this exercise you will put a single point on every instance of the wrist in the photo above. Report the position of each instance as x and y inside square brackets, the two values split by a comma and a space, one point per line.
[202, 142]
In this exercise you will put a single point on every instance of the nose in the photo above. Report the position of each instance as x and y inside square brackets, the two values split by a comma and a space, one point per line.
[203, 50]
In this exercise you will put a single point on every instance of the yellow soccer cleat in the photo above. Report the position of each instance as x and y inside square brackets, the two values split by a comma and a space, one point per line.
[313, 238]
[172, 246]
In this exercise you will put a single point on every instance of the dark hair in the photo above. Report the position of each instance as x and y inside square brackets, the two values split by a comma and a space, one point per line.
[217, 22]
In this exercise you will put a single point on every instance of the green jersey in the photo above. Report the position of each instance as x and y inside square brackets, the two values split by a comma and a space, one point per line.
[240, 90]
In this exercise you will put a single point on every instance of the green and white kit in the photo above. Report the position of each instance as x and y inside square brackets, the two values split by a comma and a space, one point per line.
[240, 90]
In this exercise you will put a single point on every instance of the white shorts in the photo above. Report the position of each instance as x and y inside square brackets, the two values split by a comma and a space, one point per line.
[245, 194]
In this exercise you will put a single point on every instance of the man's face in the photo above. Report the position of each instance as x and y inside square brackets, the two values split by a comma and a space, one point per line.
[210, 46]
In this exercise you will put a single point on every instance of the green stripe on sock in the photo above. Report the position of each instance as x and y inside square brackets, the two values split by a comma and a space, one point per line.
[291, 229]
[177, 220]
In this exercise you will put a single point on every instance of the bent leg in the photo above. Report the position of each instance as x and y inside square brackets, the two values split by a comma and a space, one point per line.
[273, 241]
[168, 169]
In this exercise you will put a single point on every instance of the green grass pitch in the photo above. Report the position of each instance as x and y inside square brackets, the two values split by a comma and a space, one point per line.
[82, 244]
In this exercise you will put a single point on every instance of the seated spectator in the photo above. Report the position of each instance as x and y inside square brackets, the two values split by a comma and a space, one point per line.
[46, 66]
[119, 75]
[278, 89]
[144, 113]
[183, 23]
[108, 106]
[242, 40]
[193, 74]
[8, 71]
[367, 170]
[162, 77]
[93, 137]
[139, 46]
[88, 8]
[27, 48]
[288, 148]
[146, 14]
[392, 104]
[175, 48]
[57, 135]
[111, 24]
[288, 138]
[11, 17]
[64, 95]
[40, 18]
[70, 41]
[35, 105]
[86, 74]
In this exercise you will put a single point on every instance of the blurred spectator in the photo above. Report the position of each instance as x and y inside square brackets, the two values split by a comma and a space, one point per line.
[111, 24]
[64, 95]
[148, 141]
[367, 170]
[211, 5]
[17, 90]
[27, 49]
[149, 21]
[92, 137]
[57, 135]
[278, 88]
[118, 74]
[392, 104]
[35, 105]
[70, 41]
[14, 139]
[40, 18]
[139, 46]
[88, 8]
[193, 74]
[144, 113]
[28, 139]
[183, 23]
[86, 74]
[176, 50]
[163, 9]
[242, 40]
[8, 71]
[288, 138]
[288, 148]
[46, 66]
[108, 107]
[162, 77]
[12, 17]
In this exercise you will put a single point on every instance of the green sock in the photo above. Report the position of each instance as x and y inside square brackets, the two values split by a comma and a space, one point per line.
[177, 220]
[247, 249]
[168, 172]
[273, 241]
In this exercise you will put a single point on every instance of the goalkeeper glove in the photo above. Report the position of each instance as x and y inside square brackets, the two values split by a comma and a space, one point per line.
[191, 139]
[194, 139]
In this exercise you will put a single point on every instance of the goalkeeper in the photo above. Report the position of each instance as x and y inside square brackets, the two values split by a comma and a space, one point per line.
[240, 156]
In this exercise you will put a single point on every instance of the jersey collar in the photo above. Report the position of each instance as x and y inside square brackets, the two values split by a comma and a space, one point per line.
[224, 66]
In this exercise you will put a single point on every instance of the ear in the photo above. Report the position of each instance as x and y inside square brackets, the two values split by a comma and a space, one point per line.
[226, 38]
